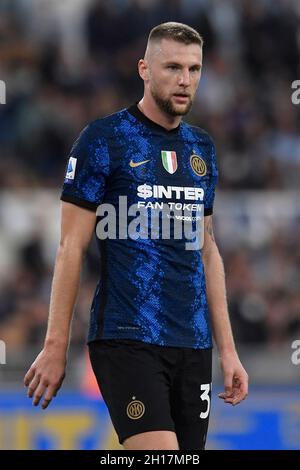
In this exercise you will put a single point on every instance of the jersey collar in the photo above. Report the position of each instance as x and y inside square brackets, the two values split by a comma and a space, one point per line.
[137, 113]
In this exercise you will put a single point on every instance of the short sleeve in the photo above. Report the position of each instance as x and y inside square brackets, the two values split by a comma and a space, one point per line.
[87, 169]
[213, 178]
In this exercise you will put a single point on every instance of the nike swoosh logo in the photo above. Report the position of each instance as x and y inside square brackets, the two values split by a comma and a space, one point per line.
[134, 164]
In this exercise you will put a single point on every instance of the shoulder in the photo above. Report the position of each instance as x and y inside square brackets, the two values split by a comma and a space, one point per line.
[198, 133]
[100, 130]
[107, 126]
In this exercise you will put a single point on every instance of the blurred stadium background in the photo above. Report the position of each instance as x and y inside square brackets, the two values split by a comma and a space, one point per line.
[68, 62]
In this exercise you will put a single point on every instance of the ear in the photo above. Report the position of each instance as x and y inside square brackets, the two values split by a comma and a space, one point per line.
[143, 70]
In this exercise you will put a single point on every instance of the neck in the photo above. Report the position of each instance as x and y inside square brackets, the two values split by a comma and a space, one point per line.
[152, 111]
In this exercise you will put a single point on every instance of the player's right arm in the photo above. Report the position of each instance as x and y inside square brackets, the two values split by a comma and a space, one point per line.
[46, 374]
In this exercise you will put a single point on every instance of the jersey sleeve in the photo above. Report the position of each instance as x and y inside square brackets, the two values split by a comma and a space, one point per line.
[87, 169]
[213, 178]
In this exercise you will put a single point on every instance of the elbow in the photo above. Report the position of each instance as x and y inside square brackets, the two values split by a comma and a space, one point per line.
[71, 247]
[210, 253]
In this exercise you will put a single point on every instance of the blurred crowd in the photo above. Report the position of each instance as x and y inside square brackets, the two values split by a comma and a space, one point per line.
[68, 62]
[263, 288]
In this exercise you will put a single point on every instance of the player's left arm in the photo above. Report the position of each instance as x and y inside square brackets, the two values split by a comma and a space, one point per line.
[235, 376]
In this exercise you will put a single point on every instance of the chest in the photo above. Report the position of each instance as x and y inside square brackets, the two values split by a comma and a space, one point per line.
[160, 169]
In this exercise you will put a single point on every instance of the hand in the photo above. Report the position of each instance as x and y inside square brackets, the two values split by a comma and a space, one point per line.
[46, 376]
[235, 379]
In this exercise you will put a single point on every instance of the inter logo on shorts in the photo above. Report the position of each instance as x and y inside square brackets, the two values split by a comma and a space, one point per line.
[135, 409]
[198, 165]
[169, 161]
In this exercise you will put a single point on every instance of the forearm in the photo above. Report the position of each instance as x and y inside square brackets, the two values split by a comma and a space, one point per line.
[216, 296]
[47, 372]
[63, 296]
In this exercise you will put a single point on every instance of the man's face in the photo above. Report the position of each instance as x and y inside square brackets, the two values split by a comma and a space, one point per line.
[174, 74]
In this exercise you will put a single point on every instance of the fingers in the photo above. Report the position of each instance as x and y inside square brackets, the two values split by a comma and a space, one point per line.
[243, 389]
[28, 377]
[238, 392]
[228, 385]
[38, 387]
[32, 386]
[46, 391]
[50, 393]
[39, 393]
[227, 396]
[227, 399]
[45, 377]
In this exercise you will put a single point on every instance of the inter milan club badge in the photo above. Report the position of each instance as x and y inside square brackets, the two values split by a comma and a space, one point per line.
[135, 409]
[169, 161]
[198, 165]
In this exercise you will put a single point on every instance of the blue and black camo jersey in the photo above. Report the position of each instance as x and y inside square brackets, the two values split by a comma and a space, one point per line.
[151, 289]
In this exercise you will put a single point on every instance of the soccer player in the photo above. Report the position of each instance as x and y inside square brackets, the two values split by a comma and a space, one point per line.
[150, 339]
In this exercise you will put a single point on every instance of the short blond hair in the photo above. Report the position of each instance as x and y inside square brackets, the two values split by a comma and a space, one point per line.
[177, 31]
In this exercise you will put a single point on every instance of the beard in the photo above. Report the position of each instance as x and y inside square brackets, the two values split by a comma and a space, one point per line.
[168, 107]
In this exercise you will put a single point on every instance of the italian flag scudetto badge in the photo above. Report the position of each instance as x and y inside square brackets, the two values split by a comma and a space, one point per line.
[169, 160]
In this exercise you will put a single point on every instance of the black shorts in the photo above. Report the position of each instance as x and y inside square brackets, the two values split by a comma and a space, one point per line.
[149, 388]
